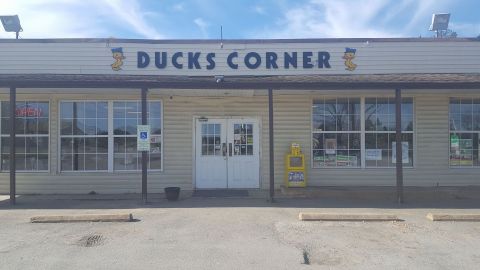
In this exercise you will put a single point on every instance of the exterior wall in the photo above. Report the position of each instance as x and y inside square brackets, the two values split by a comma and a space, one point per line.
[292, 123]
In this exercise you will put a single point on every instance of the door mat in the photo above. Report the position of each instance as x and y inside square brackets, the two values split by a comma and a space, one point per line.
[220, 193]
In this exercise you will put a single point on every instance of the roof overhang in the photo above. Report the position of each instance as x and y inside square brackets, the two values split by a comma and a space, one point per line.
[304, 82]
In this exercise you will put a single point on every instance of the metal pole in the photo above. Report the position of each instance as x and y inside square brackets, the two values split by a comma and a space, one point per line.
[144, 153]
[270, 140]
[16, 35]
[13, 93]
[398, 140]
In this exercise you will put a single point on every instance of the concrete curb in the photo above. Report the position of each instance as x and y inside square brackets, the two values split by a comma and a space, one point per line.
[346, 217]
[453, 217]
[83, 218]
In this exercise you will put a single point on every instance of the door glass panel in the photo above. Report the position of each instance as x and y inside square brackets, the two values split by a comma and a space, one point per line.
[211, 145]
[243, 139]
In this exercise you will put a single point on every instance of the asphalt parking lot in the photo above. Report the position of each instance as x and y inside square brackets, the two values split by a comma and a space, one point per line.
[236, 233]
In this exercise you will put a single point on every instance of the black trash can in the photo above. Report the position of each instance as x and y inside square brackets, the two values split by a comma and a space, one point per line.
[172, 193]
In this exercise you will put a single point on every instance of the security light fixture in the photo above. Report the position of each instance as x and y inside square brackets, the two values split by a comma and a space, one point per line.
[11, 24]
[440, 23]
[219, 78]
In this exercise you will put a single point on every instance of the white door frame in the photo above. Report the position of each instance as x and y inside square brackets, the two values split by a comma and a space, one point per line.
[194, 144]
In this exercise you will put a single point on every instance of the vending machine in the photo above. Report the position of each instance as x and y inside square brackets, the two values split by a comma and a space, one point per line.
[295, 167]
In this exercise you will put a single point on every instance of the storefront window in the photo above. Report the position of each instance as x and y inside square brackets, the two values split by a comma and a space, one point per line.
[464, 132]
[126, 117]
[336, 132]
[85, 135]
[380, 132]
[32, 135]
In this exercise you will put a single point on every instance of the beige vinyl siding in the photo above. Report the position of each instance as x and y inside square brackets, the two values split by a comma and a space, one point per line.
[292, 121]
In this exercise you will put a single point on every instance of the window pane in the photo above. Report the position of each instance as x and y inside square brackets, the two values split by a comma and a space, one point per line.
[454, 105]
[31, 145]
[43, 144]
[119, 126]
[102, 110]
[102, 162]
[90, 126]
[354, 106]
[66, 127]
[131, 126]
[317, 141]
[5, 126]
[42, 164]
[43, 125]
[90, 162]
[66, 145]
[79, 126]
[155, 110]
[66, 110]
[119, 162]
[318, 107]
[66, 162]
[330, 123]
[102, 145]
[155, 126]
[330, 106]
[155, 161]
[342, 106]
[102, 127]
[90, 145]
[90, 109]
[318, 122]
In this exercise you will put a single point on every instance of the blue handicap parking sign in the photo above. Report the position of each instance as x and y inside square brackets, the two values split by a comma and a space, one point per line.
[143, 135]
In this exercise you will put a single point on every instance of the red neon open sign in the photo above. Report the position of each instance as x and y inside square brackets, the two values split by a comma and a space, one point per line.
[28, 112]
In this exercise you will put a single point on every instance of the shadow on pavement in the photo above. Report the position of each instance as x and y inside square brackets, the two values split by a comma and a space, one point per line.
[157, 201]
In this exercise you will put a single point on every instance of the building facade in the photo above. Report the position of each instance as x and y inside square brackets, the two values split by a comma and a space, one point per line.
[78, 106]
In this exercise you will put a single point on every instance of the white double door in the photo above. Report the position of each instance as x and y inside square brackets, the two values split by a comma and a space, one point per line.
[227, 153]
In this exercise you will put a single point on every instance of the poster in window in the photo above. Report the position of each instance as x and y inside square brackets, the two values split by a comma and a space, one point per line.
[405, 158]
[373, 154]
[330, 146]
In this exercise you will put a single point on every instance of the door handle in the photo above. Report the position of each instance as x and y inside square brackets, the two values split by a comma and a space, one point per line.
[230, 149]
[224, 149]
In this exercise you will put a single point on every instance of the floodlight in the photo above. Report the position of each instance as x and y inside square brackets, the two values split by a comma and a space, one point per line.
[440, 22]
[11, 24]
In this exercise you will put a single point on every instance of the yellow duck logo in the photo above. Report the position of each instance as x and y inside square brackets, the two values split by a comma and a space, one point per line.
[117, 54]
[349, 55]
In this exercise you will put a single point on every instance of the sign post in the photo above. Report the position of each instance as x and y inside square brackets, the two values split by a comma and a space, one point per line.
[143, 143]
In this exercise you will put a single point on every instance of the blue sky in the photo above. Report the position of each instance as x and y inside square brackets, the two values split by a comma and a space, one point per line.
[188, 19]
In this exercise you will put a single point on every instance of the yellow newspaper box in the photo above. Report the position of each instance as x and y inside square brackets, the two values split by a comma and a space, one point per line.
[295, 167]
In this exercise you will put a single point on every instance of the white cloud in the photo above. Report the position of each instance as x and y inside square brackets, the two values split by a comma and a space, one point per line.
[202, 25]
[346, 18]
[78, 19]
[322, 18]
[179, 7]
[259, 9]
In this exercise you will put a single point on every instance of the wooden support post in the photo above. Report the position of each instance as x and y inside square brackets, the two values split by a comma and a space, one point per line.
[144, 153]
[270, 139]
[13, 96]
[398, 140]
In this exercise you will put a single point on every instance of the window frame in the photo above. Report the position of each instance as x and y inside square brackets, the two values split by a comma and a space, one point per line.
[313, 131]
[32, 135]
[450, 166]
[110, 137]
[363, 132]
